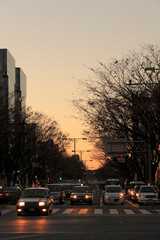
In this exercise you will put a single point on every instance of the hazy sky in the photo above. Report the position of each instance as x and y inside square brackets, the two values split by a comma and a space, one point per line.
[52, 40]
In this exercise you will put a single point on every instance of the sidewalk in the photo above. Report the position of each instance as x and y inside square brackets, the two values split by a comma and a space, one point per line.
[4, 209]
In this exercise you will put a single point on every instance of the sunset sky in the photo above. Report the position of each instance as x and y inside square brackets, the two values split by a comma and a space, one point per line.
[52, 40]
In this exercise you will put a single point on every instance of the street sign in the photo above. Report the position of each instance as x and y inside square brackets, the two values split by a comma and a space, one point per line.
[115, 147]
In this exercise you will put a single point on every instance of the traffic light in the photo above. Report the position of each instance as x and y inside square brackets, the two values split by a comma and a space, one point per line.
[60, 178]
[79, 180]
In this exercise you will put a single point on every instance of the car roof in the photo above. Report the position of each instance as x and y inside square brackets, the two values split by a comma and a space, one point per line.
[147, 186]
[113, 186]
[82, 186]
[113, 179]
[54, 184]
[36, 188]
[135, 182]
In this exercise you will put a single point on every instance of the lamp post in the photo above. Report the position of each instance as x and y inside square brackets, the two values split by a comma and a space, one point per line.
[86, 180]
[74, 156]
[75, 141]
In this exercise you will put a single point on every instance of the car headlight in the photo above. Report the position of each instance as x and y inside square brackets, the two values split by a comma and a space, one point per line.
[42, 203]
[121, 195]
[87, 196]
[21, 204]
[74, 196]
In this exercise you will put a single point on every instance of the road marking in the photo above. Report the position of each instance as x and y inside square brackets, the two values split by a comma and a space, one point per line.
[144, 211]
[113, 211]
[158, 210]
[129, 211]
[55, 210]
[68, 211]
[83, 211]
[98, 211]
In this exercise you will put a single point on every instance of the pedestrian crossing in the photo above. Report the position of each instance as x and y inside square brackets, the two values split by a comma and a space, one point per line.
[99, 211]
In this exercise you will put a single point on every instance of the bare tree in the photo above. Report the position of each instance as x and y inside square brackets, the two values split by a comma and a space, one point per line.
[119, 100]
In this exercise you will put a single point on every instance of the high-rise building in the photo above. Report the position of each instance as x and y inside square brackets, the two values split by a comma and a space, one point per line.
[12, 122]
[7, 79]
[20, 90]
[12, 83]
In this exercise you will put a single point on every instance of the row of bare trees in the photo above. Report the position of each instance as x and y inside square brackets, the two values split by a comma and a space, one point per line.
[32, 149]
[120, 100]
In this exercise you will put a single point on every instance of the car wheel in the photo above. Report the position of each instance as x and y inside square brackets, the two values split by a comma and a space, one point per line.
[90, 202]
[72, 203]
[122, 203]
[19, 214]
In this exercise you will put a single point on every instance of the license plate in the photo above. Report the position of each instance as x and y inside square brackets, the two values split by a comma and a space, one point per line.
[80, 200]
[112, 200]
[31, 209]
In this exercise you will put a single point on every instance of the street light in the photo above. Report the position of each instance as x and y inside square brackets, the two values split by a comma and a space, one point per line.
[74, 139]
[86, 181]
[149, 70]
[74, 156]
[81, 151]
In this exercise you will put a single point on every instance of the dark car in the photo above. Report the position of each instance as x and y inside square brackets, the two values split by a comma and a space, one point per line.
[134, 193]
[35, 200]
[112, 181]
[132, 184]
[57, 192]
[81, 194]
[67, 188]
[10, 194]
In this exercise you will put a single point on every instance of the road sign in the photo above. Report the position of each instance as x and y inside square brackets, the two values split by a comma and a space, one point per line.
[115, 147]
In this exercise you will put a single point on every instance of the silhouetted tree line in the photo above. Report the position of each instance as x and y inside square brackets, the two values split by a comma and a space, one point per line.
[32, 149]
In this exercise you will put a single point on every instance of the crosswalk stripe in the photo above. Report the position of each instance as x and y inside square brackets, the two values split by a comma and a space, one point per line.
[113, 211]
[83, 211]
[144, 211]
[129, 211]
[55, 210]
[68, 211]
[98, 211]
[158, 210]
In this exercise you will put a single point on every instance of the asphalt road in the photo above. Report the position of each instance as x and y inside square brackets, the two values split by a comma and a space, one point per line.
[85, 222]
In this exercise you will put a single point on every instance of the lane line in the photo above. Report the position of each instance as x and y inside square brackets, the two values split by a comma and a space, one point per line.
[98, 211]
[113, 211]
[55, 210]
[144, 211]
[129, 211]
[83, 211]
[68, 211]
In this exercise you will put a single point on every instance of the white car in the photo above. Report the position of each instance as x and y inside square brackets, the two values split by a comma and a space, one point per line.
[113, 194]
[147, 194]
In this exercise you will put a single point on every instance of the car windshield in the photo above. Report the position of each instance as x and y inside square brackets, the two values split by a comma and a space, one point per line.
[148, 189]
[81, 190]
[113, 189]
[10, 189]
[112, 182]
[33, 193]
[67, 187]
[55, 188]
